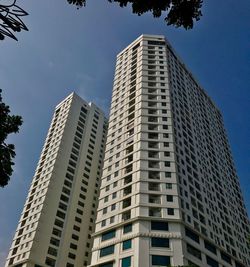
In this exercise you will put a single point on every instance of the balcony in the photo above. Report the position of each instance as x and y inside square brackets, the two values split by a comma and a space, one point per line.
[153, 186]
[127, 190]
[154, 199]
[154, 212]
[154, 164]
[154, 175]
[153, 145]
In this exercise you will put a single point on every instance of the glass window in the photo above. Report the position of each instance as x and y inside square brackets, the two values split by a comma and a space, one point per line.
[107, 251]
[126, 262]
[211, 262]
[160, 260]
[194, 251]
[192, 235]
[126, 244]
[127, 228]
[157, 225]
[210, 247]
[169, 198]
[170, 211]
[108, 235]
[160, 242]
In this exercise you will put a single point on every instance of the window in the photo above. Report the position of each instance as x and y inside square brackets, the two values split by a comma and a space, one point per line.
[75, 237]
[160, 260]
[168, 174]
[192, 235]
[225, 257]
[170, 211]
[108, 235]
[211, 262]
[126, 244]
[126, 215]
[54, 241]
[154, 212]
[126, 262]
[160, 242]
[210, 247]
[71, 256]
[194, 251]
[169, 198]
[104, 211]
[107, 251]
[168, 186]
[50, 262]
[56, 232]
[126, 203]
[52, 251]
[159, 226]
[127, 228]
[112, 219]
[73, 246]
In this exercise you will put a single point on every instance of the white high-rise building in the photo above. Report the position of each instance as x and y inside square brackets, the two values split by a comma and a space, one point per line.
[169, 192]
[58, 216]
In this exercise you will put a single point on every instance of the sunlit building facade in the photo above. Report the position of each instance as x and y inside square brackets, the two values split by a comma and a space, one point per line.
[58, 217]
[169, 191]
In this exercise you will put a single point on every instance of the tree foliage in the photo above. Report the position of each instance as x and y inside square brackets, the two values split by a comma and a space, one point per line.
[180, 13]
[8, 124]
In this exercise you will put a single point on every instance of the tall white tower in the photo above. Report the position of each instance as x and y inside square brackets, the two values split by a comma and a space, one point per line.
[58, 216]
[169, 191]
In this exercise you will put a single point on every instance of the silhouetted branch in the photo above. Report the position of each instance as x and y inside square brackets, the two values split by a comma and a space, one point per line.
[180, 13]
[10, 21]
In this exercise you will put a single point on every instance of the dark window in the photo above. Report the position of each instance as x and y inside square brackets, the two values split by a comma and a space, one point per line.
[160, 242]
[76, 237]
[64, 198]
[77, 219]
[71, 256]
[169, 198]
[54, 241]
[226, 257]
[192, 235]
[126, 262]
[211, 262]
[56, 232]
[50, 262]
[126, 244]
[108, 235]
[194, 251]
[76, 228]
[127, 228]
[60, 214]
[73, 246]
[157, 225]
[160, 260]
[107, 251]
[58, 223]
[52, 251]
[170, 211]
[210, 247]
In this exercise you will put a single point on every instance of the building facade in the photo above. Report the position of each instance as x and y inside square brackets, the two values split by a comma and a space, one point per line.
[58, 216]
[169, 191]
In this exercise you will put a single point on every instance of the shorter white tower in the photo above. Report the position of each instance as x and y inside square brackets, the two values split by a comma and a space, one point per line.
[58, 216]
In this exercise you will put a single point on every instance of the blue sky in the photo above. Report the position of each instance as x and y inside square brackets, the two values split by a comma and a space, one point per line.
[69, 50]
